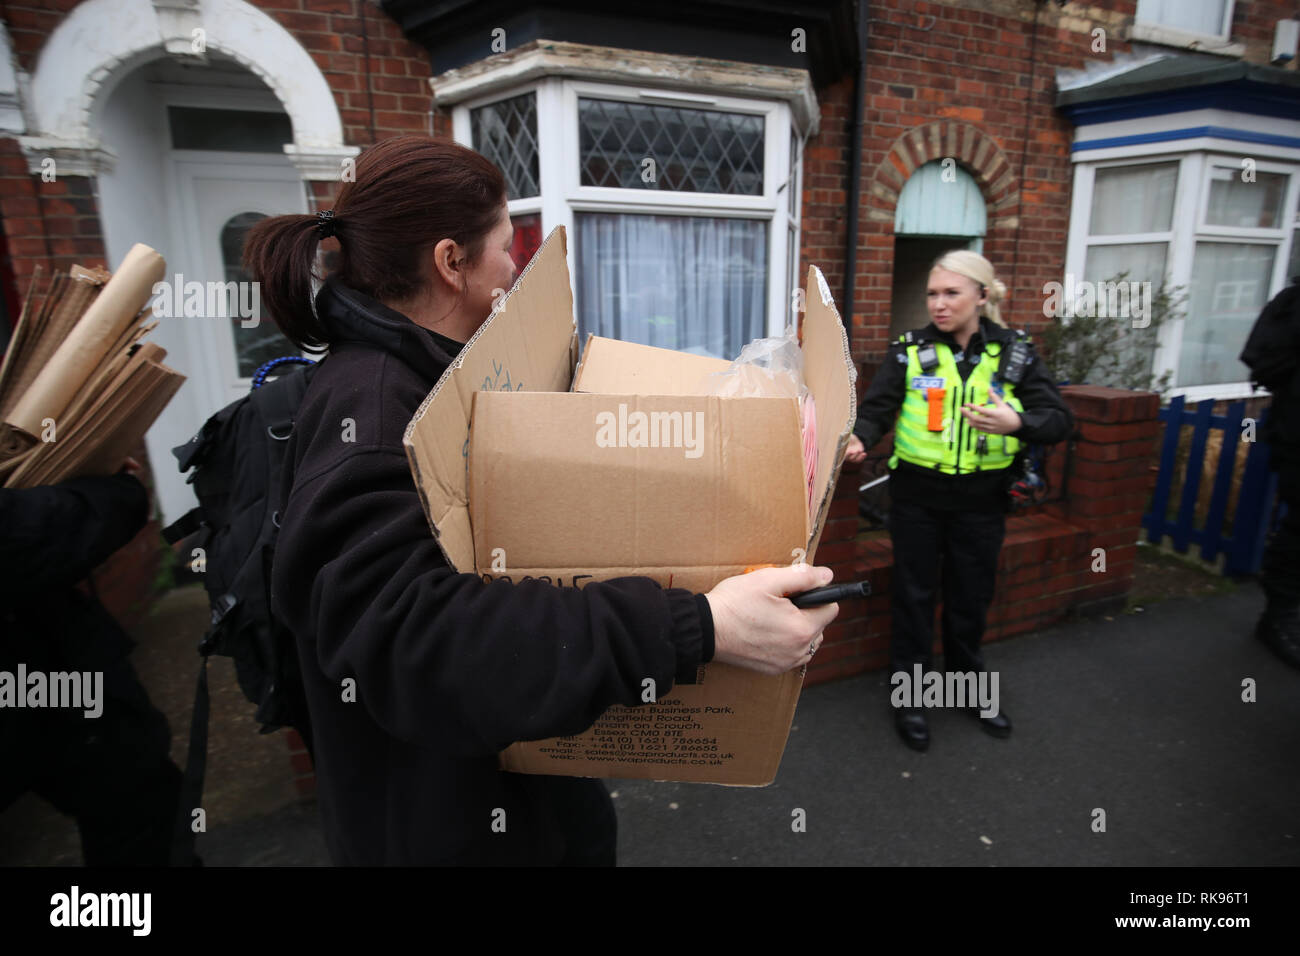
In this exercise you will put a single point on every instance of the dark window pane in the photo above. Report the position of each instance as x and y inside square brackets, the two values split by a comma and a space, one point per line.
[262, 342]
[243, 131]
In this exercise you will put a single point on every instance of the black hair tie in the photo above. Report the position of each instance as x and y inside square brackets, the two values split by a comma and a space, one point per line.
[326, 224]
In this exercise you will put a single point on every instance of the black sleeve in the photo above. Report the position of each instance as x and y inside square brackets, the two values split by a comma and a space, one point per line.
[1046, 418]
[879, 408]
[447, 660]
[54, 535]
[707, 644]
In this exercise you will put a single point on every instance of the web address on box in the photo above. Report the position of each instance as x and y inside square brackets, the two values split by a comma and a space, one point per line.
[1171, 921]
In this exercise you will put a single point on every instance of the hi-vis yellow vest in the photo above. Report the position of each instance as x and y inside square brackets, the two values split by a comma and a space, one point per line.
[952, 446]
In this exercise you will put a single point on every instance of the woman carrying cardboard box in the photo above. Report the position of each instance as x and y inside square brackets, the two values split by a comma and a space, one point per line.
[961, 395]
[417, 676]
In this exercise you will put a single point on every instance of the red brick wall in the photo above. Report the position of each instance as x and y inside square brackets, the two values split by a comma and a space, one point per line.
[825, 192]
[52, 225]
[378, 77]
[969, 62]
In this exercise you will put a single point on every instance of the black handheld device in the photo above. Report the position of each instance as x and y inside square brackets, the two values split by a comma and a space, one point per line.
[830, 594]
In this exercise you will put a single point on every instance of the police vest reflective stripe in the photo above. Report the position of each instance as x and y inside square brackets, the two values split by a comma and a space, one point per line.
[954, 447]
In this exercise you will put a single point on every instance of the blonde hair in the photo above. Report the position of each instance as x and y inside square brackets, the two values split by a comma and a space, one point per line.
[975, 267]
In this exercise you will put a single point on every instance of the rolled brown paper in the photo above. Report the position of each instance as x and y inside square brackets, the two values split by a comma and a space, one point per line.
[14, 441]
[15, 448]
[104, 322]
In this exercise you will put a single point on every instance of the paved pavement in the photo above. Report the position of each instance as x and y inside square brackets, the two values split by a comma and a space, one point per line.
[1140, 716]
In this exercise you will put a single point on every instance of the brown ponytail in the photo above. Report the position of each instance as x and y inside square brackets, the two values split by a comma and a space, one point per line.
[409, 193]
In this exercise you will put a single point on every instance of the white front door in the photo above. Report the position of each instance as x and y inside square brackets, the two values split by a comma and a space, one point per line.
[216, 203]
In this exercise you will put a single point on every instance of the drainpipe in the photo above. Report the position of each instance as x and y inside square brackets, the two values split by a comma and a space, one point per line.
[855, 169]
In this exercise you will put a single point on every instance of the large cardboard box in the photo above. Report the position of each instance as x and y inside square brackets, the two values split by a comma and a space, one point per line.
[531, 464]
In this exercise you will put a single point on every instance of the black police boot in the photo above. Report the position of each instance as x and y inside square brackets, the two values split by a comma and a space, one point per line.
[912, 727]
[999, 725]
[1280, 630]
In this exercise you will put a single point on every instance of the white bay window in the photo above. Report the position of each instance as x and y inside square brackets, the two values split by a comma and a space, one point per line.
[1216, 225]
[681, 207]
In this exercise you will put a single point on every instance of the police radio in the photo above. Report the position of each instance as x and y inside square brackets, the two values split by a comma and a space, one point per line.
[1015, 360]
[1027, 486]
[927, 357]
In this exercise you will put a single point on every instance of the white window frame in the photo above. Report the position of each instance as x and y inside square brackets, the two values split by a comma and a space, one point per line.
[1188, 227]
[1233, 163]
[794, 225]
[1153, 31]
[563, 195]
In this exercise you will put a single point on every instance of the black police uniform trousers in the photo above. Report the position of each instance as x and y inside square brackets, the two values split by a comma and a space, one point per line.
[111, 773]
[952, 552]
[1280, 569]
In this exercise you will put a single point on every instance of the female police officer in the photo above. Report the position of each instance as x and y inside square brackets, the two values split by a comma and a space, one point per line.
[962, 394]
[444, 669]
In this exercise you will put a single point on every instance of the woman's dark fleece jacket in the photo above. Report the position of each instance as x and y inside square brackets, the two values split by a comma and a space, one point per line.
[448, 669]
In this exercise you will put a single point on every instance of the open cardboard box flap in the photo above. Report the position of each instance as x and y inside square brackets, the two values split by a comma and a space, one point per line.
[527, 343]
[685, 521]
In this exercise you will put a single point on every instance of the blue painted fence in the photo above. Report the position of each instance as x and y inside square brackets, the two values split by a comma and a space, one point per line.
[1243, 546]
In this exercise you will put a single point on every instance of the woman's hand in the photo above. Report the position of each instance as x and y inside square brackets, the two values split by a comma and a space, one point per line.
[856, 453]
[754, 626]
[1001, 419]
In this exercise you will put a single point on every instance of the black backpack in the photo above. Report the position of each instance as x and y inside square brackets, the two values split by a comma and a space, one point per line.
[237, 458]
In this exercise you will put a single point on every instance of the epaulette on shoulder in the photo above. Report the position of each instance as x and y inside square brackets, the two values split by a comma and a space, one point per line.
[913, 337]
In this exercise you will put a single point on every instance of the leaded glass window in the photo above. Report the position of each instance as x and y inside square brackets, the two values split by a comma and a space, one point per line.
[647, 146]
[506, 133]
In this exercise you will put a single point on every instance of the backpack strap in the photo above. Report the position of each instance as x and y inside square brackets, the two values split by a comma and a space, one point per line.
[280, 409]
[196, 763]
[259, 377]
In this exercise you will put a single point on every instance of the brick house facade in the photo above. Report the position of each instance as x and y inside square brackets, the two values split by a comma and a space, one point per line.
[980, 82]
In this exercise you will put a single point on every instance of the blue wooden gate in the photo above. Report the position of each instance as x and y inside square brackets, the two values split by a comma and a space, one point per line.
[1243, 546]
